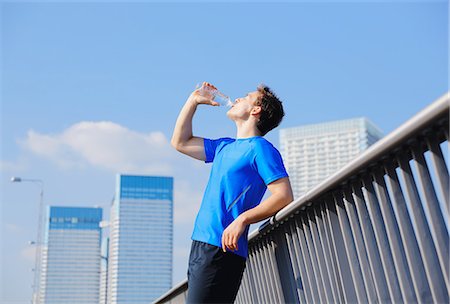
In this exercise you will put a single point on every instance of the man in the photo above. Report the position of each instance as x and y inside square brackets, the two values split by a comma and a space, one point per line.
[242, 170]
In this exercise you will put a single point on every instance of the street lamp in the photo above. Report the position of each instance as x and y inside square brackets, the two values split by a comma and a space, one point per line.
[37, 261]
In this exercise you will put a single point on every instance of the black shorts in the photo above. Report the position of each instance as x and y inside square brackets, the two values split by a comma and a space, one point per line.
[214, 276]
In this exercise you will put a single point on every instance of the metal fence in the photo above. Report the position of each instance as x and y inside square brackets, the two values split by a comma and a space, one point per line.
[375, 231]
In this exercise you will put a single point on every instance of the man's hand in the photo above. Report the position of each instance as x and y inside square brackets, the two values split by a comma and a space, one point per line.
[197, 98]
[232, 234]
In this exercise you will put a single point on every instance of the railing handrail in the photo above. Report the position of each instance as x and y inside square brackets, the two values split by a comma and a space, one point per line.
[411, 127]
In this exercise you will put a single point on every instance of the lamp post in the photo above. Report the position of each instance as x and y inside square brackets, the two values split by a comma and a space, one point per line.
[38, 243]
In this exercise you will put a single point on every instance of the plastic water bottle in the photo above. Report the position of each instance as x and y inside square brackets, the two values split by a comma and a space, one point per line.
[215, 95]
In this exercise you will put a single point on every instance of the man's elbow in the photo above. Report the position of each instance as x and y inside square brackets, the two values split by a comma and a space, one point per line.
[173, 142]
[288, 198]
[284, 200]
[176, 144]
[178, 147]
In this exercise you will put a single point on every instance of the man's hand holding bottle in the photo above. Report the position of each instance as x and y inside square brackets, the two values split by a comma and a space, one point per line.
[210, 95]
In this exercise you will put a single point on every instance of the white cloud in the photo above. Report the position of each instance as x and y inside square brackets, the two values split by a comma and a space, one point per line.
[104, 144]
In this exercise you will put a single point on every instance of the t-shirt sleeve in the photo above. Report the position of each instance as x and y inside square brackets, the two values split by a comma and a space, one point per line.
[211, 147]
[269, 164]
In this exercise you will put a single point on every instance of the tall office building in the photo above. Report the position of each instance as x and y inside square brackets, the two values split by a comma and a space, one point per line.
[313, 152]
[141, 233]
[71, 256]
[104, 271]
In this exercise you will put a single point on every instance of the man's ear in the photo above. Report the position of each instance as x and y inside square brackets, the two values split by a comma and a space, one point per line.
[256, 110]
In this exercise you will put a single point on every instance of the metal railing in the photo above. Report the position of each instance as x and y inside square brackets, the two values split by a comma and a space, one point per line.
[375, 231]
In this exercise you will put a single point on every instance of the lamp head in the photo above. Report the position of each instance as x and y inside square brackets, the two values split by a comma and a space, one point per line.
[15, 179]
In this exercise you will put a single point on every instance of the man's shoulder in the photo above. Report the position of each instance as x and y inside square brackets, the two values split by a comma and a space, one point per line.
[262, 143]
[264, 149]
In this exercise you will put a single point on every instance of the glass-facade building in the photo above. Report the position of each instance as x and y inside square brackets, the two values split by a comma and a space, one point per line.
[71, 256]
[104, 271]
[313, 152]
[141, 234]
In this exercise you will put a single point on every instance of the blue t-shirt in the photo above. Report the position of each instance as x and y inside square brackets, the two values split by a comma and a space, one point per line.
[241, 170]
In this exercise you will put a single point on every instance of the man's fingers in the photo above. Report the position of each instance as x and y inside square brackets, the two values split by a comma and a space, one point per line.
[209, 85]
[235, 243]
[223, 244]
[228, 242]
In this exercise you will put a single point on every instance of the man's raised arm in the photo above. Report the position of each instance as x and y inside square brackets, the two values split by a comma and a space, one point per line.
[182, 138]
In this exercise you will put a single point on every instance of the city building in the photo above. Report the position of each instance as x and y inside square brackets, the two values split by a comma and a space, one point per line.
[71, 256]
[141, 234]
[104, 271]
[313, 152]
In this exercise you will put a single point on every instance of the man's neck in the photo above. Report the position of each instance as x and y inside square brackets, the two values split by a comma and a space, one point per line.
[247, 131]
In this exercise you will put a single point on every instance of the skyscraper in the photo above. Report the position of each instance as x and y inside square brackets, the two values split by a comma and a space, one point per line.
[104, 271]
[141, 233]
[71, 256]
[313, 152]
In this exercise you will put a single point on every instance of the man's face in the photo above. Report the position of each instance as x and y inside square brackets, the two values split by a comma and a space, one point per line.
[244, 106]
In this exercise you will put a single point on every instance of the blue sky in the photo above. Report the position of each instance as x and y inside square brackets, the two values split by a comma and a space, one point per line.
[89, 90]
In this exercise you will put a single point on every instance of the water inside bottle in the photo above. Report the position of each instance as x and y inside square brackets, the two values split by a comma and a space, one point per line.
[223, 99]
[216, 95]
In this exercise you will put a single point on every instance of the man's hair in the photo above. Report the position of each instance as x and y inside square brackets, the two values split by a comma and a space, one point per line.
[271, 110]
